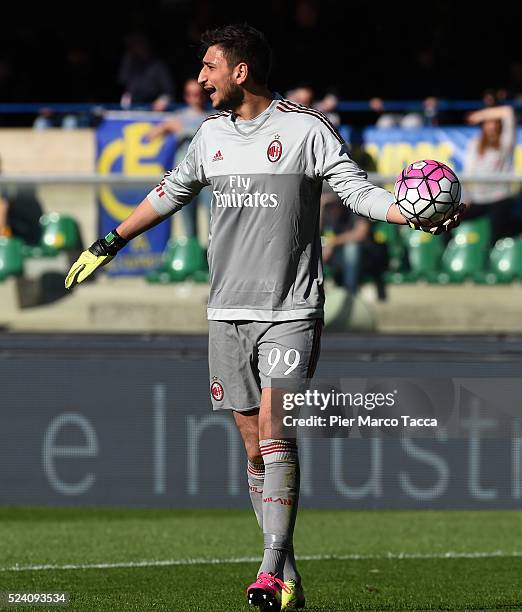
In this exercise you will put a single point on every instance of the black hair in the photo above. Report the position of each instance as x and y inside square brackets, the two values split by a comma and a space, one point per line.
[242, 43]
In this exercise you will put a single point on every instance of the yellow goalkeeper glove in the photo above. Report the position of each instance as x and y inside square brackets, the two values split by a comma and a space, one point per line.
[97, 255]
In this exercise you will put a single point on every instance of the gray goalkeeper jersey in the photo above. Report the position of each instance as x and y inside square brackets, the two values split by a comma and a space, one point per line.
[265, 174]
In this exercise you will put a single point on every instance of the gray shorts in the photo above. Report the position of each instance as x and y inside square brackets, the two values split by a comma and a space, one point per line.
[244, 356]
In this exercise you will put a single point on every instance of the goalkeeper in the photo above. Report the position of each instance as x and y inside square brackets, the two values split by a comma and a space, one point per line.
[265, 159]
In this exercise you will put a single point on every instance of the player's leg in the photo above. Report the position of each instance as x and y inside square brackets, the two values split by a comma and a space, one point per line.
[281, 486]
[265, 591]
[235, 386]
[248, 425]
[280, 500]
[287, 351]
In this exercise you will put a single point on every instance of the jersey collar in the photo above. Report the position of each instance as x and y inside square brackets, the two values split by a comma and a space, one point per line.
[249, 126]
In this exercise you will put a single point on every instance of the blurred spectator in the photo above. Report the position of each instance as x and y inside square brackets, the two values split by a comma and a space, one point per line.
[145, 77]
[515, 80]
[80, 77]
[185, 123]
[23, 214]
[5, 230]
[348, 246]
[7, 78]
[494, 97]
[358, 151]
[387, 120]
[492, 153]
[79, 73]
[304, 94]
[47, 118]
[20, 212]
[430, 115]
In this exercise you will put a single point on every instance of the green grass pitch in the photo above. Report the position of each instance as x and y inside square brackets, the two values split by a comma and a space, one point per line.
[352, 560]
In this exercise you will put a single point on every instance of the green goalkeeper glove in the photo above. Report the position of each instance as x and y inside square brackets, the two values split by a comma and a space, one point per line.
[98, 254]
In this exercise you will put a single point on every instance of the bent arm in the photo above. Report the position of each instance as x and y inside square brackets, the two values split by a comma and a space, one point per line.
[177, 189]
[493, 113]
[504, 114]
[171, 126]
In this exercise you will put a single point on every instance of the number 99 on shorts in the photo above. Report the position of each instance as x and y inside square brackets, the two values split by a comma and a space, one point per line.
[289, 358]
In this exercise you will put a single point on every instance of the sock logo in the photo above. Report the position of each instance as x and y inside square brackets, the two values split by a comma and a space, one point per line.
[278, 500]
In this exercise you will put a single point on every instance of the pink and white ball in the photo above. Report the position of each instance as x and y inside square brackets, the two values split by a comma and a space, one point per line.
[428, 192]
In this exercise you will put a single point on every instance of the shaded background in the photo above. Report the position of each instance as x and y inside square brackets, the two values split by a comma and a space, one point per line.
[358, 50]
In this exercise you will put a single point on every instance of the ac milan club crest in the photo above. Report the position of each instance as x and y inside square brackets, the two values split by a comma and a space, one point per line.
[274, 151]
[216, 390]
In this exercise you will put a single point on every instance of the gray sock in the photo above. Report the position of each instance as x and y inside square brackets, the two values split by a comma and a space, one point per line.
[290, 571]
[280, 498]
[256, 477]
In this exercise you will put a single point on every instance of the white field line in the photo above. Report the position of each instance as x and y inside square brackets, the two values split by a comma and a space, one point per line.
[227, 560]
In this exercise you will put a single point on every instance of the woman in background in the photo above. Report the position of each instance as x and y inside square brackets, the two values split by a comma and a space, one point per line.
[492, 153]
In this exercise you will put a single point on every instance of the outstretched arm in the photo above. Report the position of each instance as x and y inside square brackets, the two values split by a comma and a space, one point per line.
[141, 219]
[351, 184]
[177, 188]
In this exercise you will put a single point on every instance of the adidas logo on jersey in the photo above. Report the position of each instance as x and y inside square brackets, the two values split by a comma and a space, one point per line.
[218, 156]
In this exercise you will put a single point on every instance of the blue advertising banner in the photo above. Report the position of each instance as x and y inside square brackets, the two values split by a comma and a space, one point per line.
[394, 148]
[122, 147]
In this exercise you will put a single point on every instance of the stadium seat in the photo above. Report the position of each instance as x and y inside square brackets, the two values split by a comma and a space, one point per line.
[59, 233]
[505, 262]
[11, 257]
[467, 252]
[387, 233]
[183, 259]
[424, 254]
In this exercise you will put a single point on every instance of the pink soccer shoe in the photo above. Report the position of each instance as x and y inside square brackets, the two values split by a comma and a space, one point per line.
[265, 593]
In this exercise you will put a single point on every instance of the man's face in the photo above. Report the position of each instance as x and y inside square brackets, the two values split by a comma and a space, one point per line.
[218, 80]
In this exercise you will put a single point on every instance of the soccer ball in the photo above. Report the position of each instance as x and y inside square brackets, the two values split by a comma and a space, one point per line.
[428, 192]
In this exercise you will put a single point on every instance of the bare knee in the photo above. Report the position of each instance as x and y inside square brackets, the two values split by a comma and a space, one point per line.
[270, 415]
[248, 426]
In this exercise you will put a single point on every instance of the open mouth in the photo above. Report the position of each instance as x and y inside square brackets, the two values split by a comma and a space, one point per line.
[210, 91]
